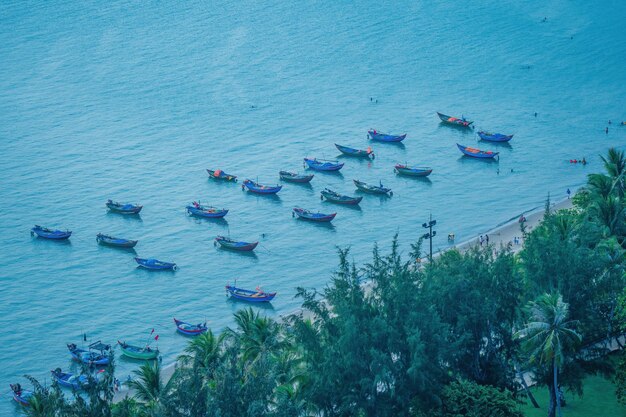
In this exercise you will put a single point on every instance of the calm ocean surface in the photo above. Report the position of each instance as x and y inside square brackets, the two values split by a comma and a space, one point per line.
[133, 102]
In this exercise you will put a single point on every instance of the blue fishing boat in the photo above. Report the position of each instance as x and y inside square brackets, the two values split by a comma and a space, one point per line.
[20, 395]
[454, 121]
[189, 329]
[312, 216]
[228, 243]
[477, 153]
[335, 197]
[123, 208]
[295, 177]
[200, 210]
[155, 264]
[412, 172]
[115, 241]
[257, 188]
[323, 165]
[494, 137]
[257, 296]
[69, 380]
[372, 189]
[355, 152]
[218, 174]
[383, 137]
[46, 233]
[97, 353]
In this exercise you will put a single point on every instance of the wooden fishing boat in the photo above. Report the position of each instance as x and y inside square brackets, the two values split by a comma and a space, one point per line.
[373, 189]
[455, 121]
[314, 217]
[257, 296]
[228, 243]
[96, 354]
[115, 241]
[477, 153]
[334, 197]
[69, 380]
[355, 152]
[155, 264]
[200, 210]
[383, 137]
[323, 165]
[412, 172]
[189, 329]
[295, 177]
[494, 137]
[21, 396]
[257, 188]
[218, 174]
[46, 233]
[138, 352]
[124, 208]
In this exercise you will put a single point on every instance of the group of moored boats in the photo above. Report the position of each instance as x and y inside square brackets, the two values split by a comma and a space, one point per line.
[485, 136]
[97, 354]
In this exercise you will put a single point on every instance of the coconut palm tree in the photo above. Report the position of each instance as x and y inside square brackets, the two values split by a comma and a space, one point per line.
[615, 165]
[149, 387]
[257, 335]
[203, 350]
[547, 335]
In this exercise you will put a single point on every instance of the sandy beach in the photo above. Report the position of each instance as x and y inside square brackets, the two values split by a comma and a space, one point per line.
[498, 236]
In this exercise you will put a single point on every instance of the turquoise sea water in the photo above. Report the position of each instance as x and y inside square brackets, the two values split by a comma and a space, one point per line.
[133, 101]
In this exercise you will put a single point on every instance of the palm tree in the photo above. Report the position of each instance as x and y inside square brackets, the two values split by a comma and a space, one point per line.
[615, 165]
[149, 387]
[547, 335]
[257, 335]
[204, 350]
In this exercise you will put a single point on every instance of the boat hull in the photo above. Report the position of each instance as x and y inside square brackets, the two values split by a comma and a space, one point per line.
[316, 165]
[313, 217]
[117, 208]
[155, 265]
[372, 189]
[454, 121]
[236, 246]
[50, 234]
[359, 153]
[259, 189]
[291, 177]
[189, 329]
[136, 352]
[476, 153]
[412, 172]
[496, 137]
[215, 214]
[115, 242]
[342, 199]
[249, 296]
[68, 380]
[382, 137]
[222, 176]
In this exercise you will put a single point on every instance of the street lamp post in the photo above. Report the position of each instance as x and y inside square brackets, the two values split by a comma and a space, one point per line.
[430, 233]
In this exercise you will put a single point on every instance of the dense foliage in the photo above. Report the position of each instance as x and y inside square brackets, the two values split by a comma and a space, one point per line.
[396, 338]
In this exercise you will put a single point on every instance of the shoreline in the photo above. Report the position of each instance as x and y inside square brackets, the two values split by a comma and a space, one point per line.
[500, 235]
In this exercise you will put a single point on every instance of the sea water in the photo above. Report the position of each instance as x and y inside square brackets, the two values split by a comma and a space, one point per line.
[133, 102]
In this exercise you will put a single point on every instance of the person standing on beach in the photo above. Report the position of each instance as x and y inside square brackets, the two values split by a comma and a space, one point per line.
[568, 193]
[487, 239]
[481, 240]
